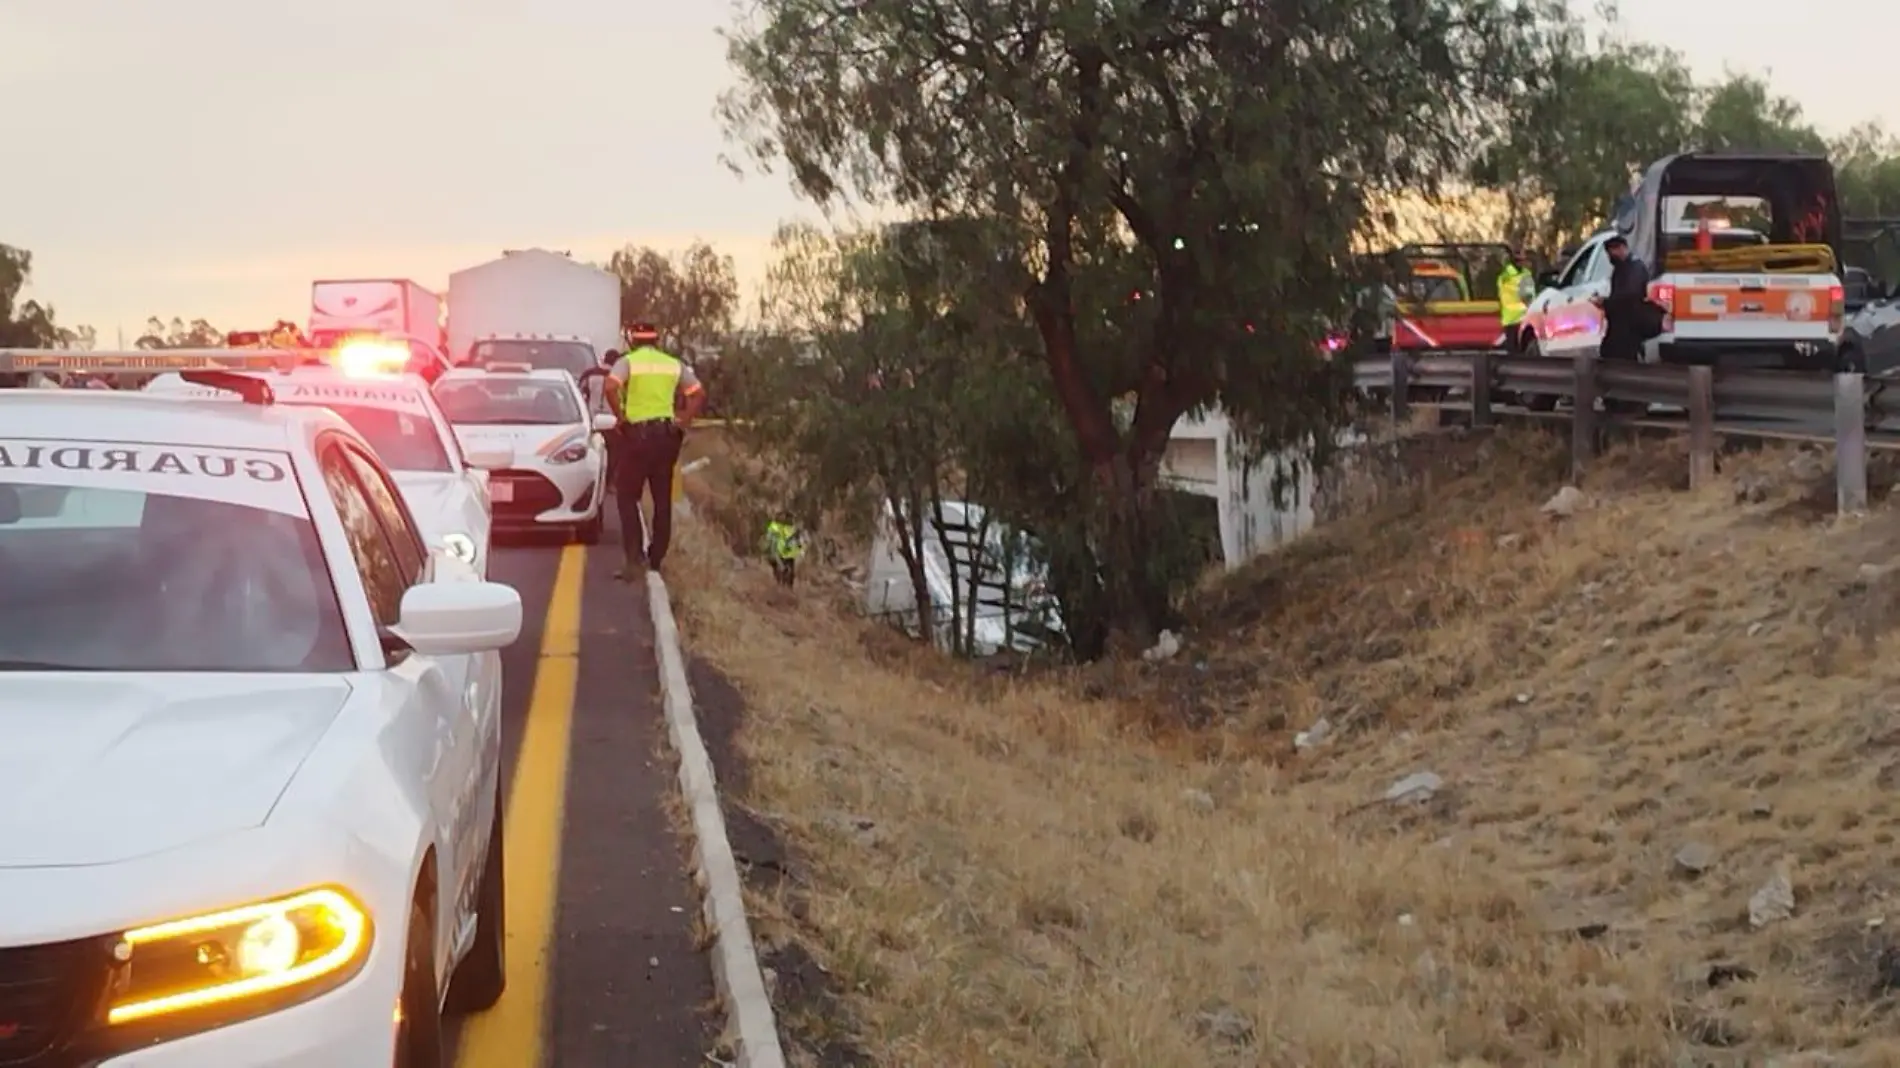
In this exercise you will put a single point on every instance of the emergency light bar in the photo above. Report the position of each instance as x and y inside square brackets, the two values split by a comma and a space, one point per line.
[144, 361]
[508, 368]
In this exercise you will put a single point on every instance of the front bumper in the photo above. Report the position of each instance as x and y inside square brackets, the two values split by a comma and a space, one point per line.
[546, 495]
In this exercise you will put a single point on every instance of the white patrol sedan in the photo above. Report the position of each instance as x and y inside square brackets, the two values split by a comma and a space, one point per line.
[249, 793]
[447, 489]
[558, 475]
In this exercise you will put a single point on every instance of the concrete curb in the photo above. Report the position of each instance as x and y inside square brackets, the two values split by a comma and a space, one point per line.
[735, 960]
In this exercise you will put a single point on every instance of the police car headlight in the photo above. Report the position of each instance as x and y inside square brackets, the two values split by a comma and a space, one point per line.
[571, 454]
[238, 962]
[460, 546]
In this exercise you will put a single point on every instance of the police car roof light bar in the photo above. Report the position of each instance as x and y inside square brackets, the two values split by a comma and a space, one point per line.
[149, 361]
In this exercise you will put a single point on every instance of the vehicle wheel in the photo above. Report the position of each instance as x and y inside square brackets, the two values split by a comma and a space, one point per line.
[482, 975]
[590, 532]
[1537, 402]
[419, 1036]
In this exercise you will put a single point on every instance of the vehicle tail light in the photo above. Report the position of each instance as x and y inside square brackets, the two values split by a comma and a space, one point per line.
[1836, 307]
[1664, 294]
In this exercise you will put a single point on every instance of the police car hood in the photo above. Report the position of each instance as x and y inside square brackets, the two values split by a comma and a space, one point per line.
[100, 768]
[531, 442]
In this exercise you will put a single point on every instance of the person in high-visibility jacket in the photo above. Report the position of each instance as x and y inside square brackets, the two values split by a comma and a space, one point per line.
[1516, 286]
[784, 545]
[656, 397]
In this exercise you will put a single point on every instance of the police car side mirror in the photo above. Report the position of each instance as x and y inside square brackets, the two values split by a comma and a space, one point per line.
[459, 618]
[604, 422]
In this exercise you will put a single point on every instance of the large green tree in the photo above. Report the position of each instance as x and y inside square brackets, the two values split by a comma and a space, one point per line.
[177, 333]
[1605, 113]
[691, 295]
[24, 324]
[1215, 156]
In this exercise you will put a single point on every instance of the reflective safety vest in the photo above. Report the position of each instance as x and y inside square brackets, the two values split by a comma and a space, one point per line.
[653, 380]
[1511, 299]
[783, 542]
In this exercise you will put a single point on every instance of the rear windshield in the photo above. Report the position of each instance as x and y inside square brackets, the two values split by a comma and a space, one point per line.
[142, 558]
[508, 401]
[574, 357]
[1431, 290]
[1684, 241]
[405, 441]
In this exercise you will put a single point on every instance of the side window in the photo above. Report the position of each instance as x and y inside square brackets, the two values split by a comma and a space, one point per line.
[386, 502]
[1600, 266]
[1575, 274]
[376, 559]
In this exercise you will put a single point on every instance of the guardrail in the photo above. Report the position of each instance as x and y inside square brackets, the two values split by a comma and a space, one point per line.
[1846, 409]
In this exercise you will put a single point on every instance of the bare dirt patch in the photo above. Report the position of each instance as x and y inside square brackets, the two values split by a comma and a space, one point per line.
[1654, 755]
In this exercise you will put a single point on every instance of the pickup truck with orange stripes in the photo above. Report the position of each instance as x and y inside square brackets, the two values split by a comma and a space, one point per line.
[1743, 252]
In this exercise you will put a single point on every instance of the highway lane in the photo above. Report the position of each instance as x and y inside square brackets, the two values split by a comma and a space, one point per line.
[603, 968]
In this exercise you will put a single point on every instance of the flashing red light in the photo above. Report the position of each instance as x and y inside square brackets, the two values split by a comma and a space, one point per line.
[1663, 294]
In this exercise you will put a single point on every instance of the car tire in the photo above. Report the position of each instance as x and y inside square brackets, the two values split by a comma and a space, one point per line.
[1537, 402]
[419, 1041]
[482, 975]
[590, 532]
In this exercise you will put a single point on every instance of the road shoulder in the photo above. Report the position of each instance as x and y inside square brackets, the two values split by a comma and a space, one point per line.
[632, 984]
[812, 1018]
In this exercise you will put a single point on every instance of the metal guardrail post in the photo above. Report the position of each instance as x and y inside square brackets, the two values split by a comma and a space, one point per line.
[1401, 388]
[1480, 389]
[1583, 421]
[1850, 443]
[1701, 427]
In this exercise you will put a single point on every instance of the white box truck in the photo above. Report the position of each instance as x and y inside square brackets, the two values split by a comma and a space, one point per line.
[392, 306]
[536, 307]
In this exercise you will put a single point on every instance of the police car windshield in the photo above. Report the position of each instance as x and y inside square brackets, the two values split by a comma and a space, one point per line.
[406, 441]
[507, 402]
[105, 572]
[574, 357]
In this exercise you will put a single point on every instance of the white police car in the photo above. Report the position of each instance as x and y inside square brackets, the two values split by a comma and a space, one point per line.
[557, 478]
[249, 790]
[446, 488]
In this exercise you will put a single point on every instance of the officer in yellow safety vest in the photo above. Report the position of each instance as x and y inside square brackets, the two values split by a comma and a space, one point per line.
[1516, 287]
[784, 544]
[656, 397]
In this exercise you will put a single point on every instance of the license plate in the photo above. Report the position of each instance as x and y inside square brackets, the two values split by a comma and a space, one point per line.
[502, 492]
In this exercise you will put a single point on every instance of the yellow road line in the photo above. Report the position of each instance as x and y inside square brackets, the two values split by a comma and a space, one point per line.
[510, 1035]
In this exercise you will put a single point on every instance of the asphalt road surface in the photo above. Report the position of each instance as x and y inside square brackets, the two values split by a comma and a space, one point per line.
[603, 968]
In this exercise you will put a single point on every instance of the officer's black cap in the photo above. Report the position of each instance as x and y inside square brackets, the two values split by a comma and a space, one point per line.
[643, 332]
[1616, 239]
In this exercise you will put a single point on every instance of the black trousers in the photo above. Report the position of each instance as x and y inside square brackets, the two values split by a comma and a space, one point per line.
[644, 458]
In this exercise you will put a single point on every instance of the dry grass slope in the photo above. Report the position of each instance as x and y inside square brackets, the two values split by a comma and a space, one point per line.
[1033, 873]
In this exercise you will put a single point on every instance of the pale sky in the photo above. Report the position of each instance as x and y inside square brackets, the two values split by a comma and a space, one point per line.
[210, 158]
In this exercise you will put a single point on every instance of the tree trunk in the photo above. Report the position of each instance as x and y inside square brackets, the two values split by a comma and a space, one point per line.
[910, 546]
[1126, 541]
[955, 566]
